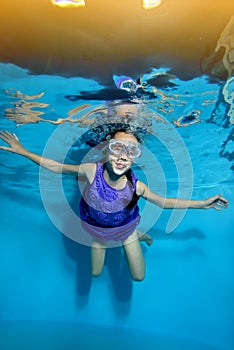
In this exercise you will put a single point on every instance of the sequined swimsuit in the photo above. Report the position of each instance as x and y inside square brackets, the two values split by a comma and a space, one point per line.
[106, 213]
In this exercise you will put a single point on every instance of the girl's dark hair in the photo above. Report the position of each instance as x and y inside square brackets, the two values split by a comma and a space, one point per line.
[126, 129]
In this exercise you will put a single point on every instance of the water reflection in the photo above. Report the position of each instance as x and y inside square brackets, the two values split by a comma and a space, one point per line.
[157, 97]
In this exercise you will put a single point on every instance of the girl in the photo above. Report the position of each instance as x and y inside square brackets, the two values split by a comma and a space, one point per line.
[108, 208]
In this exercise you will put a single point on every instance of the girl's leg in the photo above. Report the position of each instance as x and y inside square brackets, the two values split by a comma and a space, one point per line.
[98, 251]
[135, 257]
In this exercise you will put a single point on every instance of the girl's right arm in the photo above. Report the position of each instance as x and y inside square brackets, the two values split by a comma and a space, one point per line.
[217, 202]
[16, 147]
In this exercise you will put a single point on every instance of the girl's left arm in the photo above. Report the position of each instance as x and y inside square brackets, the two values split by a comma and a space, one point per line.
[217, 202]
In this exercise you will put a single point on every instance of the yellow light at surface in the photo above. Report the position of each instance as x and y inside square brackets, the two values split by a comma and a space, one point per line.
[149, 4]
[68, 3]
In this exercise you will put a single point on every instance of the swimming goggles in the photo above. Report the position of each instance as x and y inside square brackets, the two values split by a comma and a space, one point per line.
[132, 149]
[128, 85]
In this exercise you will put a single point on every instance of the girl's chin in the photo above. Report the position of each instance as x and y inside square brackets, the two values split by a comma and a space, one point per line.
[119, 168]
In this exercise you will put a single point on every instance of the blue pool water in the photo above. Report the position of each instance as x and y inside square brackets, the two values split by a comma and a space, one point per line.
[48, 299]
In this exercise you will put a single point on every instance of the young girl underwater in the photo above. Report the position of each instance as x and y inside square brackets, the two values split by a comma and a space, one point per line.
[108, 207]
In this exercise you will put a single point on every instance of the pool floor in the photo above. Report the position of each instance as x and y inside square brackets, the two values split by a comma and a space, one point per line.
[61, 336]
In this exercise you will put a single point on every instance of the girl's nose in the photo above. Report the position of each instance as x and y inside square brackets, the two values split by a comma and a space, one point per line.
[123, 156]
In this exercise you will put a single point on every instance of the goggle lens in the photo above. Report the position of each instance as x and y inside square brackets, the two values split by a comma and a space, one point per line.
[117, 147]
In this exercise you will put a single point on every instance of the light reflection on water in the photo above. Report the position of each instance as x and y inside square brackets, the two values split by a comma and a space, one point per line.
[201, 111]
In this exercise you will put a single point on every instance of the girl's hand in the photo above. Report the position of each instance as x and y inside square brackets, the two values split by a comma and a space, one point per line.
[14, 144]
[216, 202]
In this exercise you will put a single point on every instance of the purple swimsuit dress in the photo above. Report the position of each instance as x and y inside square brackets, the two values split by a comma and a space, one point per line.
[109, 214]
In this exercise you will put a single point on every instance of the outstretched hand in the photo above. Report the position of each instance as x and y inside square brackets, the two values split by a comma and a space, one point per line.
[217, 202]
[12, 140]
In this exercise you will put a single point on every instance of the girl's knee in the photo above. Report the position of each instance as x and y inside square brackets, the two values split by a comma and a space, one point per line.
[139, 277]
[96, 271]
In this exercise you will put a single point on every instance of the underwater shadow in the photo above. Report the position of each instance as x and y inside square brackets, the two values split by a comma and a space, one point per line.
[81, 255]
[192, 233]
[190, 243]
[120, 277]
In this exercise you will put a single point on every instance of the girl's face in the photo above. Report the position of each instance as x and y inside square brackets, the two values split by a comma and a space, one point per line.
[123, 148]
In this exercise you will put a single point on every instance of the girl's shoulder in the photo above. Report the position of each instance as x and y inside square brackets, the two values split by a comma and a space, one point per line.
[141, 188]
[89, 170]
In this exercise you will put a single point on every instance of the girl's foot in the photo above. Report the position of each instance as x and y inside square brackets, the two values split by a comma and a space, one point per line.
[144, 237]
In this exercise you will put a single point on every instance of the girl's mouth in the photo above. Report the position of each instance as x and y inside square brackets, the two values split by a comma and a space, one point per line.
[120, 165]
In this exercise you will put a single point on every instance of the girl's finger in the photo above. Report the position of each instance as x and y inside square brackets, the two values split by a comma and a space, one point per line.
[4, 148]
[15, 137]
